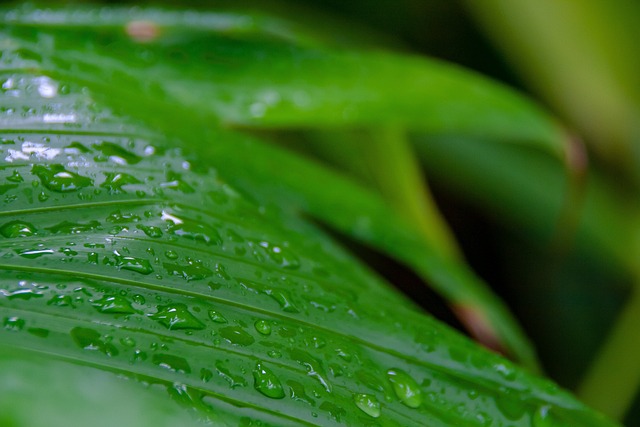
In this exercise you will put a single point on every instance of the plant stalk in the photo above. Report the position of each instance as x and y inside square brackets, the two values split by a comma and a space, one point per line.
[614, 377]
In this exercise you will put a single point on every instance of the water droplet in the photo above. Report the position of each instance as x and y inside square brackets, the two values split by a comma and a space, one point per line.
[266, 382]
[74, 227]
[334, 410]
[233, 380]
[510, 406]
[368, 404]
[89, 339]
[128, 342]
[217, 317]
[117, 217]
[313, 365]
[189, 272]
[236, 335]
[263, 327]
[15, 177]
[296, 391]
[173, 363]
[138, 265]
[151, 231]
[282, 297]
[280, 255]
[56, 178]
[193, 230]
[34, 253]
[175, 182]
[13, 323]
[117, 154]
[171, 254]
[16, 228]
[405, 387]
[39, 332]
[176, 316]
[114, 182]
[61, 301]
[205, 375]
[113, 304]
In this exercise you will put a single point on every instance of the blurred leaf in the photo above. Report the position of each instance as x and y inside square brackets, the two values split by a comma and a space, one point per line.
[260, 84]
[583, 59]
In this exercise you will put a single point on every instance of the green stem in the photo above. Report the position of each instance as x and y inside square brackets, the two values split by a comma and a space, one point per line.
[614, 378]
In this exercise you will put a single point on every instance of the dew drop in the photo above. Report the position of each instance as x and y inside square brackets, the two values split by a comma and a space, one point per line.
[56, 178]
[236, 335]
[233, 380]
[313, 365]
[113, 304]
[189, 272]
[138, 265]
[205, 375]
[89, 339]
[297, 393]
[266, 382]
[176, 316]
[114, 182]
[405, 387]
[13, 323]
[17, 228]
[151, 231]
[263, 327]
[171, 254]
[217, 317]
[368, 404]
[172, 363]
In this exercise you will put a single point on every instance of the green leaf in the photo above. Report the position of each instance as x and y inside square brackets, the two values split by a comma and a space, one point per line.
[231, 81]
[121, 251]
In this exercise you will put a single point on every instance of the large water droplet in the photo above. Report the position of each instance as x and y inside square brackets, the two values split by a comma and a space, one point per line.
[151, 231]
[57, 178]
[314, 367]
[176, 316]
[139, 265]
[266, 382]
[280, 255]
[368, 404]
[74, 227]
[89, 339]
[405, 387]
[233, 380]
[510, 405]
[217, 317]
[173, 363]
[13, 323]
[15, 177]
[296, 390]
[263, 327]
[17, 228]
[189, 272]
[114, 182]
[116, 153]
[193, 230]
[236, 335]
[114, 304]
[34, 253]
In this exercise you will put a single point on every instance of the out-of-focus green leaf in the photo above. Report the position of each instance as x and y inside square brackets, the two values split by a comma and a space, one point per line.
[583, 59]
[79, 396]
[528, 190]
[244, 82]
[123, 252]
